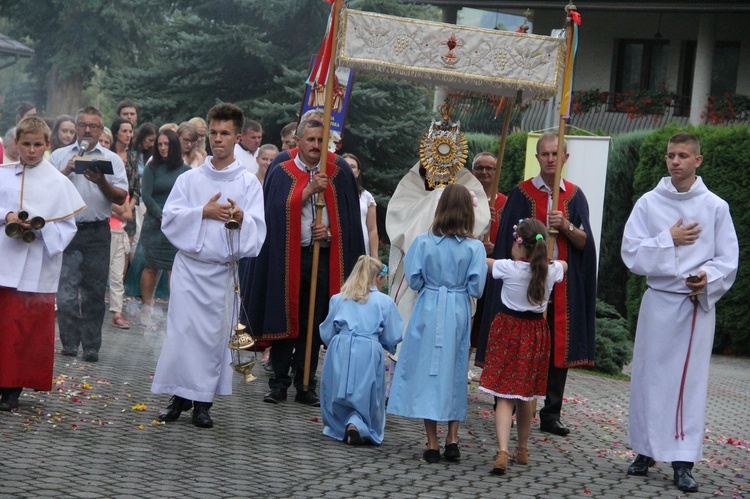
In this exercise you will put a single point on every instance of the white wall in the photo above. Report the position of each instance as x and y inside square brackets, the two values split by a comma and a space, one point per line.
[600, 29]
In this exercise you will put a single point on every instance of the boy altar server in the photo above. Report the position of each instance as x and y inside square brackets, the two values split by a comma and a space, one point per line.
[30, 264]
[194, 365]
[681, 237]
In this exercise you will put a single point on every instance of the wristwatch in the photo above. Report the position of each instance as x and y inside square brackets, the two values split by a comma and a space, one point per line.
[570, 228]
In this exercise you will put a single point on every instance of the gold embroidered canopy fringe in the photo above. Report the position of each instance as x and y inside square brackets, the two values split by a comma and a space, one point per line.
[473, 59]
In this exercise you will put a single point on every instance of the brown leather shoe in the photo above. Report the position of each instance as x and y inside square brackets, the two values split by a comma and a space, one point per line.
[521, 456]
[501, 463]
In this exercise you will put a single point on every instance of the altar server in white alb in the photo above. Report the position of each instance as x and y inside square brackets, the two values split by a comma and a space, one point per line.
[681, 237]
[194, 365]
[31, 261]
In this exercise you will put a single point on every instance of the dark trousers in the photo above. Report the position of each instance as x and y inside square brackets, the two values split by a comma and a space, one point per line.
[83, 283]
[556, 376]
[291, 352]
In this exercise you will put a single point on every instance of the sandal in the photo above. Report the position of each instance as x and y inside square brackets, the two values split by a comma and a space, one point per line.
[119, 322]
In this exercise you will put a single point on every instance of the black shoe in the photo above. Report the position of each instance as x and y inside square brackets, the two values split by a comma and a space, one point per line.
[176, 406]
[555, 427]
[308, 397]
[275, 396]
[352, 436]
[9, 399]
[91, 356]
[641, 465]
[431, 456]
[69, 353]
[683, 477]
[451, 452]
[201, 418]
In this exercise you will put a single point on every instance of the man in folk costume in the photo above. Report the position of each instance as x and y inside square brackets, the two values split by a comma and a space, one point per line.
[572, 305]
[31, 262]
[194, 365]
[282, 274]
[484, 167]
[681, 237]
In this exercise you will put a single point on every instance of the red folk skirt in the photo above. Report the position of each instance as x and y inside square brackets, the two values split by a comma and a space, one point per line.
[27, 339]
[517, 358]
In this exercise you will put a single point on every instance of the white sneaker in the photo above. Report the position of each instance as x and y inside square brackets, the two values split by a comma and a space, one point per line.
[145, 316]
[473, 376]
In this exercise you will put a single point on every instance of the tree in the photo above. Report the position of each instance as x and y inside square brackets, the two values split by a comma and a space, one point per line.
[73, 38]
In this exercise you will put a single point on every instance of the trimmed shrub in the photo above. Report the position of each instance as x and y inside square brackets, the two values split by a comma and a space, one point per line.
[614, 349]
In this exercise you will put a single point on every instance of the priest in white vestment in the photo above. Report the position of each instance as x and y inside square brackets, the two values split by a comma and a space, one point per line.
[681, 237]
[194, 365]
[411, 211]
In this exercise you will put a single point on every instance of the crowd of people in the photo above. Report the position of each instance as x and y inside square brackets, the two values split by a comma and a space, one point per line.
[86, 207]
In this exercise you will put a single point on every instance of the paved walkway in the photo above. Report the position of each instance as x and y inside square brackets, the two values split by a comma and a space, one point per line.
[87, 438]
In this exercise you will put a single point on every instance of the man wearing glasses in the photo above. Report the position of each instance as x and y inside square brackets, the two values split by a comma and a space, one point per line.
[85, 267]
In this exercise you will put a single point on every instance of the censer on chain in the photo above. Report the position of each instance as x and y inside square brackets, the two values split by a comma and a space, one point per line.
[240, 341]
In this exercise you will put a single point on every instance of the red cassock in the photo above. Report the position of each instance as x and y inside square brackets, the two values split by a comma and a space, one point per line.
[27, 339]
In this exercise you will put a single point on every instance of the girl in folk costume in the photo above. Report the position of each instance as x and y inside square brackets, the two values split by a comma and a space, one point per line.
[446, 266]
[32, 257]
[518, 349]
[361, 322]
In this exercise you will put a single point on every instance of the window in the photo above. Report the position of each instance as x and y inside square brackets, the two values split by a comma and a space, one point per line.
[641, 65]
[725, 67]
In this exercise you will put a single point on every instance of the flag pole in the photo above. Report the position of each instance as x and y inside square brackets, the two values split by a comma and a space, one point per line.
[320, 201]
[506, 104]
[567, 89]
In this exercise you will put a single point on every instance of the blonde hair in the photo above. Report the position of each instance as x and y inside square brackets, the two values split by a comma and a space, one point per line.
[169, 126]
[199, 122]
[357, 285]
[32, 124]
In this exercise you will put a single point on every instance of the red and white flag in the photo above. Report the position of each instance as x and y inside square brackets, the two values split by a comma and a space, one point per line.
[319, 73]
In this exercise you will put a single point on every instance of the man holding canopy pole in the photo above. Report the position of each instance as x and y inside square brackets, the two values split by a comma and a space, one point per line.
[572, 305]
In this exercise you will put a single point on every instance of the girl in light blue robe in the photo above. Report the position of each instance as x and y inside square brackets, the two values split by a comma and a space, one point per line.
[361, 322]
[446, 266]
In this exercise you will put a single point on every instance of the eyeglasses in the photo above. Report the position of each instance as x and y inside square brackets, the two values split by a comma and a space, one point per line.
[484, 168]
[188, 140]
[92, 126]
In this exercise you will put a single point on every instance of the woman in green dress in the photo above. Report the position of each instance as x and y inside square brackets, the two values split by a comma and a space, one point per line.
[159, 177]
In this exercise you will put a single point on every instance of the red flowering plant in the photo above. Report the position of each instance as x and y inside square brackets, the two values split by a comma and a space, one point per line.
[726, 108]
[584, 101]
[644, 102]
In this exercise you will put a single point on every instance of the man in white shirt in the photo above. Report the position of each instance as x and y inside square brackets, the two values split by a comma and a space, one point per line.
[246, 150]
[85, 267]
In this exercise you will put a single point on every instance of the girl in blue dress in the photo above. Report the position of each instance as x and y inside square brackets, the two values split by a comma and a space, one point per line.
[446, 266]
[361, 322]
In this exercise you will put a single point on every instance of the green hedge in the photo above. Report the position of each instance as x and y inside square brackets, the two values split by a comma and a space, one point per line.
[624, 155]
[725, 171]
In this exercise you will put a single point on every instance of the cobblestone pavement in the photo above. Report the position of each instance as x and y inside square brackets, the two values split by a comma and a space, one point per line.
[88, 438]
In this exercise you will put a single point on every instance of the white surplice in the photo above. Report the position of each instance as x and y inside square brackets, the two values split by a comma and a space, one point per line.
[41, 191]
[666, 313]
[411, 211]
[195, 359]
